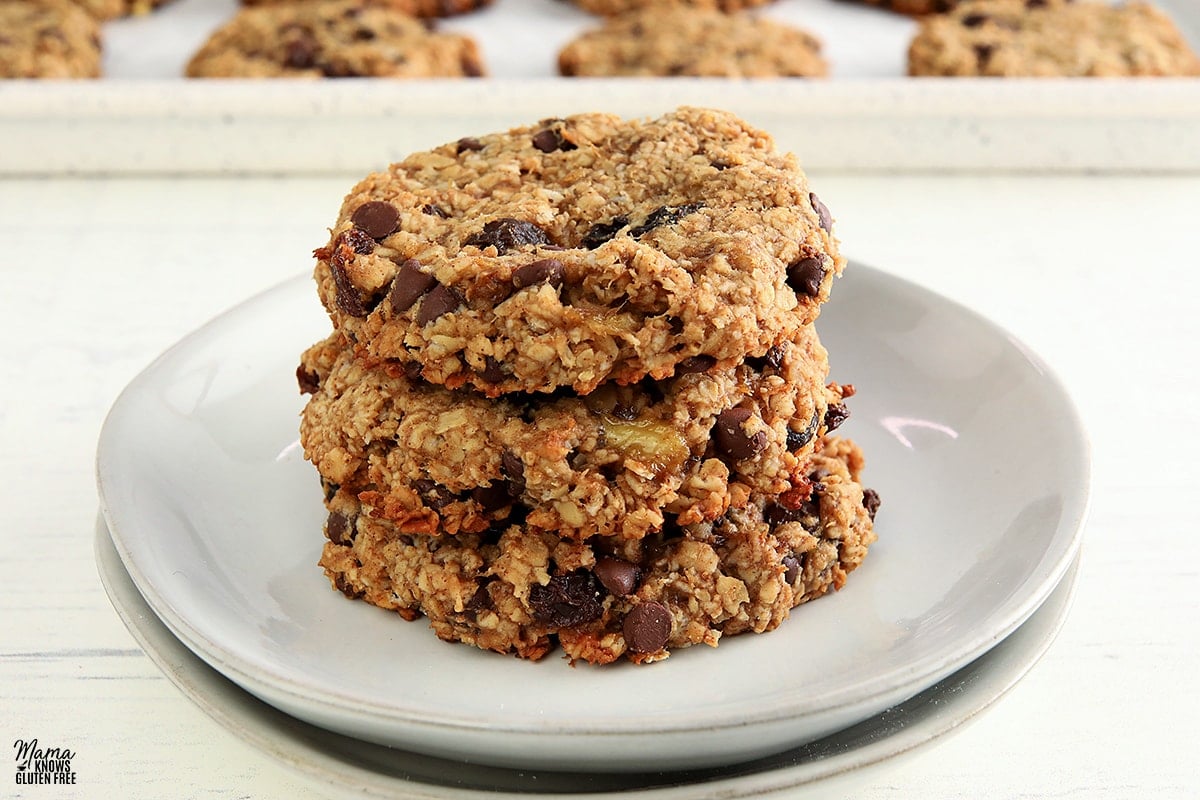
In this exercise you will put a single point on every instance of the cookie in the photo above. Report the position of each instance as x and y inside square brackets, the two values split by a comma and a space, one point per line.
[108, 9]
[581, 250]
[693, 41]
[1050, 38]
[613, 7]
[47, 39]
[415, 8]
[519, 590]
[333, 38]
[617, 462]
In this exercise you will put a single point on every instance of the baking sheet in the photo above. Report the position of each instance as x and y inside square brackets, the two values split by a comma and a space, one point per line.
[144, 118]
[519, 38]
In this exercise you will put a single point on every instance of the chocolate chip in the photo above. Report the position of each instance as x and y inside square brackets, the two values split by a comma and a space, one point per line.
[507, 234]
[546, 270]
[808, 513]
[664, 215]
[871, 502]
[435, 211]
[983, 53]
[647, 627]
[774, 356]
[835, 415]
[617, 575]
[440, 300]
[974, 20]
[492, 371]
[300, 53]
[308, 380]
[339, 529]
[550, 139]
[467, 143]
[339, 69]
[408, 285]
[480, 601]
[823, 215]
[492, 497]
[567, 600]
[700, 363]
[791, 566]
[471, 66]
[513, 469]
[732, 440]
[434, 494]
[1035, 3]
[413, 370]
[364, 35]
[377, 218]
[805, 276]
[345, 587]
[797, 439]
[775, 514]
[601, 232]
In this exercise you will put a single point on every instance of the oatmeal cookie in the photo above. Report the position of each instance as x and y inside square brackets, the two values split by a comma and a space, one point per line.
[1050, 38]
[581, 250]
[616, 462]
[335, 39]
[612, 7]
[684, 40]
[415, 8]
[516, 589]
[47, 39]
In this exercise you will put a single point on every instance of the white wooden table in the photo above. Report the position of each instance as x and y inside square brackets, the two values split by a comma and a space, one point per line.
[1100, 275]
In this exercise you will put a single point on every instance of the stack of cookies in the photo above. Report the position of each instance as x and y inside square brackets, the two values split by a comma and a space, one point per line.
[574, 395]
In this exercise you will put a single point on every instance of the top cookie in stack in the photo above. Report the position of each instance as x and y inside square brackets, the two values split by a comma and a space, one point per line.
[574, 395]
[579, 251]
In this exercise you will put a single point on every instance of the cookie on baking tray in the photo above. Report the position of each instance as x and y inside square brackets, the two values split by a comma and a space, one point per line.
[416, 8]
[675, 238]
[48, 39]
[336, 39]
[1050, 38]
[611, 7]
[683, 40]
[517, 589]
[616, 462]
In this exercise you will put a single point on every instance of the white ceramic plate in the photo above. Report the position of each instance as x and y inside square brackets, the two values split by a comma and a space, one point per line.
[973, 445]
[853, 757]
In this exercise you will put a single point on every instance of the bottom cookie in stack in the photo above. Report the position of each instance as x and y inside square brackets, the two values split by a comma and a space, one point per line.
[517, 589]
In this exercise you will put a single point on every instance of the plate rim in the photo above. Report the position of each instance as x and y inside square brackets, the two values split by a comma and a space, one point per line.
[230, 663]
